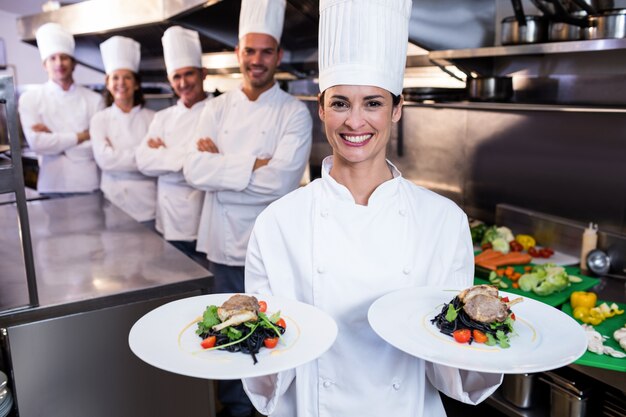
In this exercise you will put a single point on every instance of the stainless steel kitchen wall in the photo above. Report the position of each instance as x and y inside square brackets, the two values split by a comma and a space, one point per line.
[566, 163]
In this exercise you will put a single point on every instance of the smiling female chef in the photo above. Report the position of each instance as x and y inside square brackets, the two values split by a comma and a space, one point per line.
[117, 131]
[359, 232]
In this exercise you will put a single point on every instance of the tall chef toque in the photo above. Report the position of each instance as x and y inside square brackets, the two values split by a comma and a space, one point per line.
[119, 52]
[52, 39]
[262, 16]
[363, 42]
[181, 49]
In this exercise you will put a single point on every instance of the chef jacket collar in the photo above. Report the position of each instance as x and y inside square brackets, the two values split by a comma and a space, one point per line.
[134, 110]
[57, 89]
[180, 103]
[383, 192]
[267, 95]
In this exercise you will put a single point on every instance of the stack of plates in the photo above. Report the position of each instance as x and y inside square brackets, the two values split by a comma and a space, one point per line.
[6, 399]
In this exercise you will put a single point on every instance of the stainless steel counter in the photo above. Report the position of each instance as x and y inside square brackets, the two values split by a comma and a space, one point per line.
[97, 272]
[88, 253]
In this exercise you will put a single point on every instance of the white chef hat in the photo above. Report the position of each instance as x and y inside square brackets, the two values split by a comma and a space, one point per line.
[181, 48]
[262, 16]
[52, 38]
[119, 52]
[363, 42]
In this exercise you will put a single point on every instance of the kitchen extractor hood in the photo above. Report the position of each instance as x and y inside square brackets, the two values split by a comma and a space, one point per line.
[93, 21]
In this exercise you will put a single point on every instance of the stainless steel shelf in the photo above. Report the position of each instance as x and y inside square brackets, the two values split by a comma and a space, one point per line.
[596, 45]
[508, 107]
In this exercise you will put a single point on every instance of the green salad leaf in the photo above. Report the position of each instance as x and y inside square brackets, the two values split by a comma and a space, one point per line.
[209, 319]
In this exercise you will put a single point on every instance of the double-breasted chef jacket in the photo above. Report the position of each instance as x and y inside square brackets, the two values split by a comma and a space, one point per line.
[64, 165]
[319, 247]
[276, 125]
[178, 204]
[115, 135]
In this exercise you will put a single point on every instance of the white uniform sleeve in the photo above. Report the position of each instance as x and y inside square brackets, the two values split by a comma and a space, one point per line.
[264, 391]
[42, 143]
[215, 171]
[107, 157]
[158, 161]
[469, 387]
[285, 169]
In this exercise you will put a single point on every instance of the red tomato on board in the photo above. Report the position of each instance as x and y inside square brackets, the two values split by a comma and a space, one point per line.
[262, 306]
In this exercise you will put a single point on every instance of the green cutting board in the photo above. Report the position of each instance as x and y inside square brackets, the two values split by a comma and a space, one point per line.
[554, 299]
[606, 328]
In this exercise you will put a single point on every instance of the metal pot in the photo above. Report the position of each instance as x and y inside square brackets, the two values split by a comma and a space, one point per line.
[560, 31]
[519, 389]
[490, 88]
[610, 24]
[535, 30]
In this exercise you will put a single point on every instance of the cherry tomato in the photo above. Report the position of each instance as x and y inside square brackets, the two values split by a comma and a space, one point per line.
[270, 342]
[546, 252]
[504, 299]
[479, 337]
[486, 246]
[281, 323]
[262, 306]
[512, 316]
[209, 342]
[515, 246]
[532, 251]
[462, 335]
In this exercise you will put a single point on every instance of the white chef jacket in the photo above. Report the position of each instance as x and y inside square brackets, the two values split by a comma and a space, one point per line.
[121, 182]
[319, 247]
[276, 125]
[64, 166]
[178, 204]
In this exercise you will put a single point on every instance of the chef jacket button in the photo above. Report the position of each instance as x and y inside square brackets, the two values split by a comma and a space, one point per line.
[406, 270]
[226, 132]
[327, 384]
[320, 270]
[402, 212]
[324, 213]
[396, 386]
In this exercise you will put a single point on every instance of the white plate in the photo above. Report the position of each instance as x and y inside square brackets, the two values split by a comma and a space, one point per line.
[558, 258]
[546, 337]
[166, 338]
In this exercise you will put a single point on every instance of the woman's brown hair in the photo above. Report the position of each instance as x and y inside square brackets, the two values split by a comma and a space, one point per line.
[138, 98]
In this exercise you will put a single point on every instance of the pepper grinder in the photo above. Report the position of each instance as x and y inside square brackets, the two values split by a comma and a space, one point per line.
[590, 241]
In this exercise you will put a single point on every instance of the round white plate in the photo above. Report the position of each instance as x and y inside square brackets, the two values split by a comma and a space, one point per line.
[558, 258]
[546, 338]
[166, 338]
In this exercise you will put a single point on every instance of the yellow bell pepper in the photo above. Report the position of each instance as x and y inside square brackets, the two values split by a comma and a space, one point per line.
[580, 312]
[526, 241]
[588, 315]
[583, 298]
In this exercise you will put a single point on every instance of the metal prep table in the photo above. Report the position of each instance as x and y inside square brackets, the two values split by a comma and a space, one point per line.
[97, 272]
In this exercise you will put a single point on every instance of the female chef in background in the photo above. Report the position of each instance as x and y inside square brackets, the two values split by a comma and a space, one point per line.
[117, 131]
[358, 233]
